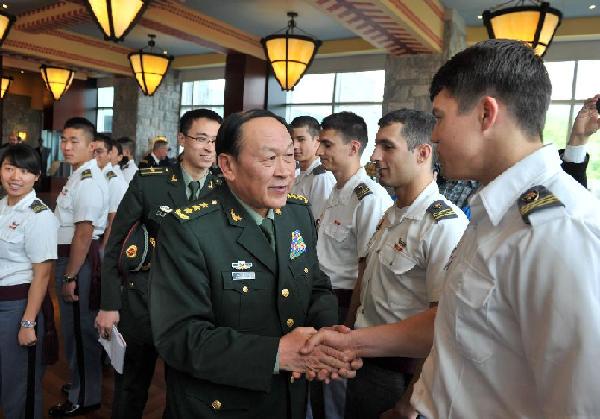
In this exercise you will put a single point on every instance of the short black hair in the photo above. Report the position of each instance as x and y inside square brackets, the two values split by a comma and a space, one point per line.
[127, 143]
[108, 142]
[508, 70]
[230, 133]
[22, 156]
[82, 124]
[118, 146]
[188, 118]
[307, 121]
[350, 125]
[417, 126]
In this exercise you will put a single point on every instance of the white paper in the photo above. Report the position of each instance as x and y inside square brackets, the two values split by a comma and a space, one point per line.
[115, 348]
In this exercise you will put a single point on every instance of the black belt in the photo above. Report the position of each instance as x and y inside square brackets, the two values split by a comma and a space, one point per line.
[343, 297]
[14, 292]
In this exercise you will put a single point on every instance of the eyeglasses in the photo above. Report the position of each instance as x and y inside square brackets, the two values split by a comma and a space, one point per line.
[202, 139]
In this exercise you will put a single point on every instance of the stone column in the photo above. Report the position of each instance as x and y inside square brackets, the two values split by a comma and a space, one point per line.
[407, 77]
[144, 117]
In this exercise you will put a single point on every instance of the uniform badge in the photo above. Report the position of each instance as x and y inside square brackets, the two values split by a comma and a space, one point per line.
[241, 265]
[131, 251]
[277, 211]
[173, 178]
[234, 216]
[298, 246]
[13, 225]
[152, 241]
[163, 210]
[210, 185]
[240, 276]
[400, 246]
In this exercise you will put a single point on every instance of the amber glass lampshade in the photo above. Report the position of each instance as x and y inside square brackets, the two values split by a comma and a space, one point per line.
[6, 21]
[5, 82]
[149, 68]
[116, 17]
[57, 79]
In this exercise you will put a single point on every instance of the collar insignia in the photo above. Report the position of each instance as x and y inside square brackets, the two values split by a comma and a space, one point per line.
[234, 216]
[173, 178]
[277, 211]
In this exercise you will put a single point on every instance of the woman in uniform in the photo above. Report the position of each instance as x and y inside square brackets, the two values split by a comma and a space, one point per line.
[27, 250]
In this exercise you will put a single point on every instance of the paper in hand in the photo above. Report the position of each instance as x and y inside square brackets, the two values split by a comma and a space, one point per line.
[115, 348]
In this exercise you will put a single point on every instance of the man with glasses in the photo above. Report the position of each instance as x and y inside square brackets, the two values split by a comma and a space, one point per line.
[153, 193]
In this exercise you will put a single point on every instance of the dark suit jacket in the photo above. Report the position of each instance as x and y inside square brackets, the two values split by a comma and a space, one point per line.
[148, 161]
[577, 170]
[218, 330]
[148, 191]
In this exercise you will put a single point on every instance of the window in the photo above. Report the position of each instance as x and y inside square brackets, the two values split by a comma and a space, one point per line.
[105, 109]
[320, 95]
[572, 83]
[208, 94]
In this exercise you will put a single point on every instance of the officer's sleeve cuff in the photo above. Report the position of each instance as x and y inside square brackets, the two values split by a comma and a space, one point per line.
[276, 369]
[574, 153]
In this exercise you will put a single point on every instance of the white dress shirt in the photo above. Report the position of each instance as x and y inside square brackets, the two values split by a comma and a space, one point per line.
[27, 235]
[346, 226]
[316, 184]
[116, 187]
[83, 198]
[129, 170]
[517, 330]
[405, 265]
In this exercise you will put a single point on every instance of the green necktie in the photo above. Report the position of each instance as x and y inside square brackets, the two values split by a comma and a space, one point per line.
[268, 229]
[194, 186]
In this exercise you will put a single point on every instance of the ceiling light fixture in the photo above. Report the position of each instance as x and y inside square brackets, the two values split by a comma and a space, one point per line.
[57, 79]
[149, 67]
[116, 17]
[592, 6]
[6, 21]
[535, 24]
[290, 54]
[5, 82]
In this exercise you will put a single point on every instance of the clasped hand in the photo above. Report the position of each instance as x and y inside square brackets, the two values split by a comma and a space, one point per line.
[323, 355]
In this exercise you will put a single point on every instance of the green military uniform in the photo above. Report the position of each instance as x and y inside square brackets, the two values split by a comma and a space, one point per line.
[152, 194]
[220, 300]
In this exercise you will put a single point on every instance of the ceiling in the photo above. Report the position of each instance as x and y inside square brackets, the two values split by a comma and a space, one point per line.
[199, 32]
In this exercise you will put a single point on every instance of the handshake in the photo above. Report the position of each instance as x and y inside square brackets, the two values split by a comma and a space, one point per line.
[325, 354]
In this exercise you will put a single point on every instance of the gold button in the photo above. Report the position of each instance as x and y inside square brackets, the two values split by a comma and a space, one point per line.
[285, 292]
[245, 288]
[216, 405]
[305, 270]
[290, 322]
[131, 285]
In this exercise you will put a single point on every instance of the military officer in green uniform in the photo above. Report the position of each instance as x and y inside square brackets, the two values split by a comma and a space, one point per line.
[236, 287]
[153, 193]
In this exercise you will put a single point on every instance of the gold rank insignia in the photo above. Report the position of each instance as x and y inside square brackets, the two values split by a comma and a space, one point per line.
[152, 241]
[234, 216]
[38, 206]
[277, 211]
[131, 251]
[440, 210]
[536, 199]
[196, 210]
[86, 174]
[173, 178]
[362, 190]
[292, 197]
[181, 215]
[188, 210]
[211, 184]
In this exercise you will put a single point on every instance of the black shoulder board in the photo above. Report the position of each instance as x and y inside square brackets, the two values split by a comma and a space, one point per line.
[110, 174]
[362, 190]
[319, 170]
[536, 199]
[195, 210]
[293, 198]
[38, 206]
[86, 174]
[149, 171]
[440, 210]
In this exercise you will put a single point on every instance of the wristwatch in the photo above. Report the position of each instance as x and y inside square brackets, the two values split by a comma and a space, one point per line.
[66, 278]
[28, 324]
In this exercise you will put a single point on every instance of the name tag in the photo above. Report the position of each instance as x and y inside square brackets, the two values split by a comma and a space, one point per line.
[240, 276]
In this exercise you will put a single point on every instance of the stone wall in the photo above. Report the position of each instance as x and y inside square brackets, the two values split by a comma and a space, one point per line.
[17, 115]
[407, 78]
[142, 117]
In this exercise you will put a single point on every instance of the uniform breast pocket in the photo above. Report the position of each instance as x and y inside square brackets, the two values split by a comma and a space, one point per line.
[64, 201]
[472, 327]
[397, 261]
[246, 305]
[340, 233]
[395, 281]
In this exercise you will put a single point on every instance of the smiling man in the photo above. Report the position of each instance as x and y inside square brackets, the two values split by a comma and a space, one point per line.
[152, 195]
[236, 287]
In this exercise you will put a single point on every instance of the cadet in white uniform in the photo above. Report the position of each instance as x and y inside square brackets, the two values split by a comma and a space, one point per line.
[129, 168]
[27, 251]
[404, 272]
[517, 329]
[351, 214]
[81, 209]
[312, 179]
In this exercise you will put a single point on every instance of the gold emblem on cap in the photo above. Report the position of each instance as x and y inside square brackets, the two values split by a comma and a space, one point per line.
[131, 251]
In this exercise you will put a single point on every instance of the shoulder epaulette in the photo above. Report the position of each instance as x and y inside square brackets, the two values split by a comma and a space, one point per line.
[536, 199]
[148, 171]
[319, 170]
[362, 190]
[110, 174]
[293, 198]
[195, 210]
[86, 174]
[440, 210]
[38, 206]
